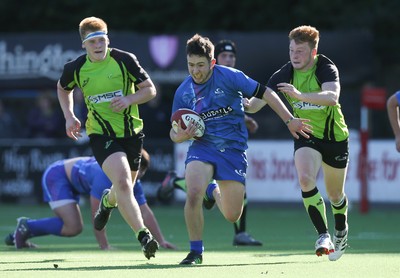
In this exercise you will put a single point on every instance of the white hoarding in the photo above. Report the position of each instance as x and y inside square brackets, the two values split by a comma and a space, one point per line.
[271, 175]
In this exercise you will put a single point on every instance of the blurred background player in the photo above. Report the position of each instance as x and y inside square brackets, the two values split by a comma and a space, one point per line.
[392, 105]
[63, 183]
[225, 54]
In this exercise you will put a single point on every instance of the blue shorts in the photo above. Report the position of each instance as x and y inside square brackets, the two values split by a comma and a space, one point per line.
[101, 182]
[56, 185]
[139, 194]
[229, 164]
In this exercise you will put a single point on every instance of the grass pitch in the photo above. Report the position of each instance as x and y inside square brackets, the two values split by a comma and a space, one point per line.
[286, 232]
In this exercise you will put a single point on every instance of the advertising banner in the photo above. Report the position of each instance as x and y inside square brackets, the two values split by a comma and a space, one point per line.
[22, 163]
[271, 174]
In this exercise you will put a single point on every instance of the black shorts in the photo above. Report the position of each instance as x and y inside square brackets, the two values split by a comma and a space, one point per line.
[103, 146]
[335, 154]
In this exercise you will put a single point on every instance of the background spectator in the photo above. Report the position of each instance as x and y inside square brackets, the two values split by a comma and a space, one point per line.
[45, 119]
[9, 126]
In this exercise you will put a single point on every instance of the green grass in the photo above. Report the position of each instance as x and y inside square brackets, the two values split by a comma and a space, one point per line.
[286, 232]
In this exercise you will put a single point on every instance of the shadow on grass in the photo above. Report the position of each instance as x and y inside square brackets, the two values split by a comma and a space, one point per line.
[147, 266]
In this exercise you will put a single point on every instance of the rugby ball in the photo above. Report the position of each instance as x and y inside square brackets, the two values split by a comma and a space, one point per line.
[186, 116]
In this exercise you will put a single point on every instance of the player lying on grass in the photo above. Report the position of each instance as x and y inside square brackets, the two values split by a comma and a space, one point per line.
[63, 183]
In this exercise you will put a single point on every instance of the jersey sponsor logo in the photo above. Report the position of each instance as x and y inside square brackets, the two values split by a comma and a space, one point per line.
[307, 106]
[216, 113]
[106, 97]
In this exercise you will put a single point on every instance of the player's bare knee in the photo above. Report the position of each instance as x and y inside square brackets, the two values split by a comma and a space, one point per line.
[232, 216]
[72, 230]
[307, 182]
[193, 200]
[194, 194]
[335, 197]
[123, 186]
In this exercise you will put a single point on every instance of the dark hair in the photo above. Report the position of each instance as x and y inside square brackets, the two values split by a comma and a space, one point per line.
[224, 46]
[201, 46]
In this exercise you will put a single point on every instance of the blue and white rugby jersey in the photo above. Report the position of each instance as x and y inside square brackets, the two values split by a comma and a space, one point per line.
[88, 178]
[219, 103]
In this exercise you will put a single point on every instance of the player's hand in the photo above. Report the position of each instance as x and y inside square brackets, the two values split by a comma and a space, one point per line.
[299, 126]
[246, 103]
[185, 134]
[289, 89]
[107, 247]
[251, 124]
[167, 245]
[73, 128]
[398, 144]
[118, 104]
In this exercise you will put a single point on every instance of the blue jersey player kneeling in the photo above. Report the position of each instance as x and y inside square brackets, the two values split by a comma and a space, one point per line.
[63, 183]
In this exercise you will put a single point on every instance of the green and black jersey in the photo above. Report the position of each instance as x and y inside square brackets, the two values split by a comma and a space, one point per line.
[327, 121]
[117, 75]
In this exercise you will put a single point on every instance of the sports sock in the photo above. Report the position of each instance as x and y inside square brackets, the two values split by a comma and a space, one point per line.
[210, 189]
[106, 203]
[141, 233]
[45, 226]
[339, 211]
[196, 246]
[315, 207]
[180, 183]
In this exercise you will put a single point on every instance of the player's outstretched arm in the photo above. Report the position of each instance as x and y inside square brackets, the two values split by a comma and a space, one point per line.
[72, 123]
[393, 114]
[151, 223]
[101, 236]
[296, 126]
[253, 104]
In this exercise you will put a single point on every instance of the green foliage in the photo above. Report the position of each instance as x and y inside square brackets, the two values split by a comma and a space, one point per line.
[182, 15]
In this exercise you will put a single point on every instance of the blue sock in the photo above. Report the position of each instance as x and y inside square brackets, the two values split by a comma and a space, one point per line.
[45, 226]
[197, 246]
[210, 189]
